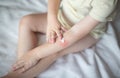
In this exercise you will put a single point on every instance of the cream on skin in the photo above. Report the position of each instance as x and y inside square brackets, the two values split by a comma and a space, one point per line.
[63, 42]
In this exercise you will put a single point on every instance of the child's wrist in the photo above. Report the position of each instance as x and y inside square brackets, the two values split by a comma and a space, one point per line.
[52, 16]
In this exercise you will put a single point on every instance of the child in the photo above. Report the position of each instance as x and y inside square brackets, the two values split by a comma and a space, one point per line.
[73, 27]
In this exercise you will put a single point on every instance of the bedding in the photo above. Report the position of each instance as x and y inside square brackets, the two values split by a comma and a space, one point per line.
[100, 61]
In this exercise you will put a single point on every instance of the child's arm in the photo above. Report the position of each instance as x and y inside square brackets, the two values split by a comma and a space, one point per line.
[53, 27]
[77, 32]
[53, 6]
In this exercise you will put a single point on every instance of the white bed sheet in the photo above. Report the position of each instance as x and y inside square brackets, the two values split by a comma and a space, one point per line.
[103, 62]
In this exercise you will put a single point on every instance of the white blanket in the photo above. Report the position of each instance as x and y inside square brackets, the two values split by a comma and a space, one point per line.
[103, 62]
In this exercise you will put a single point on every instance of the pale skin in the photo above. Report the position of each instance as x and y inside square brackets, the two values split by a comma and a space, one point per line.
[76, 39]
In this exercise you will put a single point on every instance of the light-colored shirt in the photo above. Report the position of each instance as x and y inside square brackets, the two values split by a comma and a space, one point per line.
[101, 10]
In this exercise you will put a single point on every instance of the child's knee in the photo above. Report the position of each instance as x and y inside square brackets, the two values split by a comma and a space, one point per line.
[26, 21]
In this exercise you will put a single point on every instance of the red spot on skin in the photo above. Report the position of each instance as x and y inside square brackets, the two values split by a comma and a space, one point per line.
[63, 44]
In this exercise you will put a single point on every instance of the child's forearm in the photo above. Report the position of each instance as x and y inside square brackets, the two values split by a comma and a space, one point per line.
[53, 6]
[77, 32]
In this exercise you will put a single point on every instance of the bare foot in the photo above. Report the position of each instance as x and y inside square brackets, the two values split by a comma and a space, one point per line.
[25, 62]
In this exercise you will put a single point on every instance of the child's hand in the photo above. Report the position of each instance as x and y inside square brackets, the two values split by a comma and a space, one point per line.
[25, 62]
[54, 30]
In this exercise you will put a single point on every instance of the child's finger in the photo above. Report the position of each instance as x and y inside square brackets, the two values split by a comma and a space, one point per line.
[64, 29]
[26, 67]
[18, 65]
[59, 34]
[22, 70]
[52, 36]
[47, 37]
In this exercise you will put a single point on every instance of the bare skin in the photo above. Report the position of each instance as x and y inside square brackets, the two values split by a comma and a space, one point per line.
[71, 36]
[33, 21]
[53, 34]
[29, 53]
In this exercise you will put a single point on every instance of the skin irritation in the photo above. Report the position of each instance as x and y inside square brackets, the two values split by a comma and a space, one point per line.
[63, 42]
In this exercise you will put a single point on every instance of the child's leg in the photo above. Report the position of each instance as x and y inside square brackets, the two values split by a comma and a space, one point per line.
[29, 25]
[86, 42]
[46, 62]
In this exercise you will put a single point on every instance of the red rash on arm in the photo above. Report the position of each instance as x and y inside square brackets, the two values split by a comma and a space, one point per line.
[63, 44]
